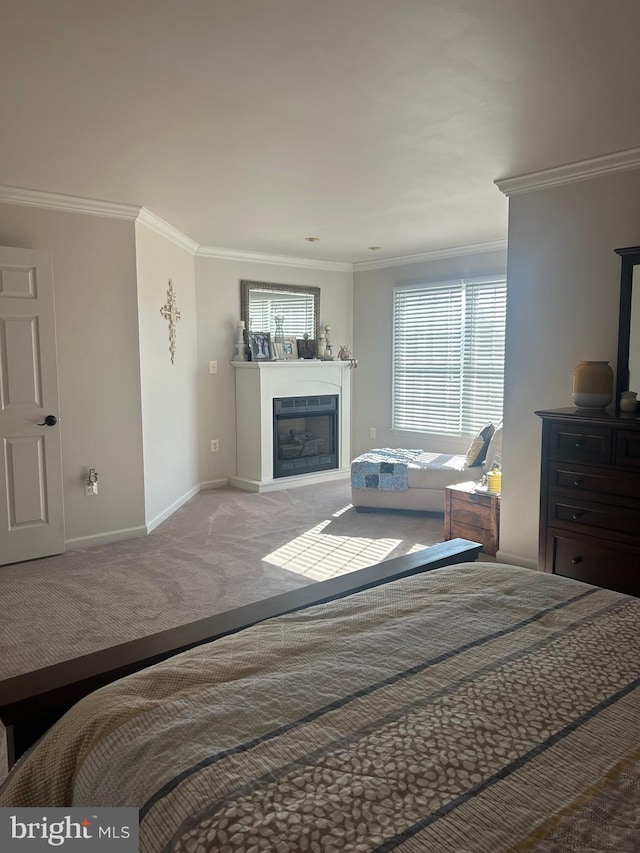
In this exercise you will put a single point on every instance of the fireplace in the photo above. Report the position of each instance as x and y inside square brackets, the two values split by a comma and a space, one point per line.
[304, 387]
[305, 434]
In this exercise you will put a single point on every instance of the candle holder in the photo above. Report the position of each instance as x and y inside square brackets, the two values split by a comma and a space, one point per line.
[328, 351]
[241, 344]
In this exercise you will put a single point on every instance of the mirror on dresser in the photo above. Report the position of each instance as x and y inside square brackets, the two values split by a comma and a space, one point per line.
[299, 305]
[628, 366]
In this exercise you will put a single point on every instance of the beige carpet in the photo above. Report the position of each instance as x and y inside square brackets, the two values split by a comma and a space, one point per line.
[223, 549]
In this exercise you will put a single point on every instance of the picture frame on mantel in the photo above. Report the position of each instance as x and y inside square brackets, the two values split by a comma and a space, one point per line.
[284, 350]
[261, 346]
[306, 348]
[290, 347]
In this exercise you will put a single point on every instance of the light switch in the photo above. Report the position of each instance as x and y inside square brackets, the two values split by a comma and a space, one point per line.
[213, 367]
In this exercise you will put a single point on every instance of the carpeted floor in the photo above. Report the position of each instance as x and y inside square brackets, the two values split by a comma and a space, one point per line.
[223, 549]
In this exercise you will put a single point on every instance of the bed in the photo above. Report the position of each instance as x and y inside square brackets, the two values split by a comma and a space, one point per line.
[479, 707]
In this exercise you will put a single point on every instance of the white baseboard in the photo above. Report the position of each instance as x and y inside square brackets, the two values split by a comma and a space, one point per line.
[164, 515]
[136, 532]
[516, 560]
[289, 482]
[214, 484]
[105, 538]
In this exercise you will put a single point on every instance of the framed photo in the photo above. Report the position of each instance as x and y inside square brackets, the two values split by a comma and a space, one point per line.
[261, 349]
[287, 349]
[290, 348]
[306, 348]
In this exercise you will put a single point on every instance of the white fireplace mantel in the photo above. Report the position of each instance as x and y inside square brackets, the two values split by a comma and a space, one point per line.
[257, 384]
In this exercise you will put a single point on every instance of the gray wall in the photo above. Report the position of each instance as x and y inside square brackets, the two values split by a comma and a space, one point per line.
[94, 271]
[169, 390]
[563, 292]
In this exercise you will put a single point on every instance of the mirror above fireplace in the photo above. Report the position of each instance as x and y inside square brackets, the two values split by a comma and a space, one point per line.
[261, 302]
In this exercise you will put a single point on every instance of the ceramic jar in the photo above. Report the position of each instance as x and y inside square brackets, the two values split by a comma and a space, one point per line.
[592, 385]
[628, 401]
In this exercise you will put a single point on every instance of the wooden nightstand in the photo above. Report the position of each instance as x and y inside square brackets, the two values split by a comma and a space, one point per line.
[472, 515]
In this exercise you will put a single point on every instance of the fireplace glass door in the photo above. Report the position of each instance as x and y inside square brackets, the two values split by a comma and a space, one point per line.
[305, 435]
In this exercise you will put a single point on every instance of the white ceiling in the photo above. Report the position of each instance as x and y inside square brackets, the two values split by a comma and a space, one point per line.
[252, 124]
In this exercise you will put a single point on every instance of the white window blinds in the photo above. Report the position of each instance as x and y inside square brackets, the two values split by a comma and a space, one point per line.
[448, 356]
[297, 311]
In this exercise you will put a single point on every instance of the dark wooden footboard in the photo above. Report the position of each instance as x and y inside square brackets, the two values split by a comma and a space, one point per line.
[31, 703]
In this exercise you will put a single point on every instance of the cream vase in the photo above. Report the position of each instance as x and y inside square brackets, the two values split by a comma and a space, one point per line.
[592, 385]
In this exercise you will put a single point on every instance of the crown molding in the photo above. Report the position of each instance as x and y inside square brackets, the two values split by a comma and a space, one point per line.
[68, 203]
[433, 255]
[165, 229]
[97, 207]
[280, 260]
[583, 170]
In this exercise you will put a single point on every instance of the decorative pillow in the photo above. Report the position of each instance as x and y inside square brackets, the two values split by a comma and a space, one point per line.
[478, 447]
[493, 458]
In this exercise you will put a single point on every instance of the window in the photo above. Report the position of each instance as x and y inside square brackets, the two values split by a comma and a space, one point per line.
[448, 355]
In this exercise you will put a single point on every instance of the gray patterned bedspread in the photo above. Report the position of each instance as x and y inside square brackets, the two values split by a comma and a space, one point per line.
[475, 709]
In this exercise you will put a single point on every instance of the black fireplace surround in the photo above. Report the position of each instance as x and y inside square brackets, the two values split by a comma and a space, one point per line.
[305, 435]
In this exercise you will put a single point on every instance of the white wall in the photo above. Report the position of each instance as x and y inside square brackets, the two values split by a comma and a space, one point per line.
[218, 310]
[94, 270]
[563, 293]
[373, 335]
[169, 391]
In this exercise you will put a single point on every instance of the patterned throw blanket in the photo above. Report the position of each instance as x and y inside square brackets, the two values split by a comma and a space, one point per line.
[385, 469]
[475, 708]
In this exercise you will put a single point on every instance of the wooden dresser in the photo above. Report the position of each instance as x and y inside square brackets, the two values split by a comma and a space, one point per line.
[590, 497]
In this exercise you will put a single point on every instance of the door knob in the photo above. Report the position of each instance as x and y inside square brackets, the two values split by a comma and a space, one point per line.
[50, 420]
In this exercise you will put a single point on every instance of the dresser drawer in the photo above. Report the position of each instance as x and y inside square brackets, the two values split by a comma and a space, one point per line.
[628, 448]
[598, 481]
[580, 443]
[599, 518]
[596, 565]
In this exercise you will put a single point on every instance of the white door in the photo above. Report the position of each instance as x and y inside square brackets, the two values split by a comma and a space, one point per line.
[31, 505]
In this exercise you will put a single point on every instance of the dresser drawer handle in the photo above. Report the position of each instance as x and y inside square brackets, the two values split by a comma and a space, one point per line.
[576, 515]
[580, 442]
[578, 481]
[576, 560]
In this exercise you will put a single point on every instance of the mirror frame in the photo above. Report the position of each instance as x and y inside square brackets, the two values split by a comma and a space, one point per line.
[630, 258]
[247, 286]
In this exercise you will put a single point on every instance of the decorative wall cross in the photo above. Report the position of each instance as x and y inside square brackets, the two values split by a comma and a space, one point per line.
[171, 313]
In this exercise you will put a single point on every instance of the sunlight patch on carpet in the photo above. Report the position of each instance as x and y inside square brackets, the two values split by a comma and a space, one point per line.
[319, 555]
[340, 512]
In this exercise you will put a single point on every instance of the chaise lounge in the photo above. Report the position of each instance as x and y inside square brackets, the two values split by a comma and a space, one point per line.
[400, 479]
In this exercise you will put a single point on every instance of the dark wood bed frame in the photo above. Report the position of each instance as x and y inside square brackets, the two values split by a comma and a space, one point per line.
[31, 703]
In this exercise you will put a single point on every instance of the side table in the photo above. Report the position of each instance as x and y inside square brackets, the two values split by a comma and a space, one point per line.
[471, 514]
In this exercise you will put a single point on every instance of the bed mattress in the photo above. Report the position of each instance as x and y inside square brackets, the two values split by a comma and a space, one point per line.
[476, 708]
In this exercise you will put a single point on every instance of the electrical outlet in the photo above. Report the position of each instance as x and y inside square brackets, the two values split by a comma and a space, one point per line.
[213, 367]
[90, 489]
[372, 432]
[215, 447]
